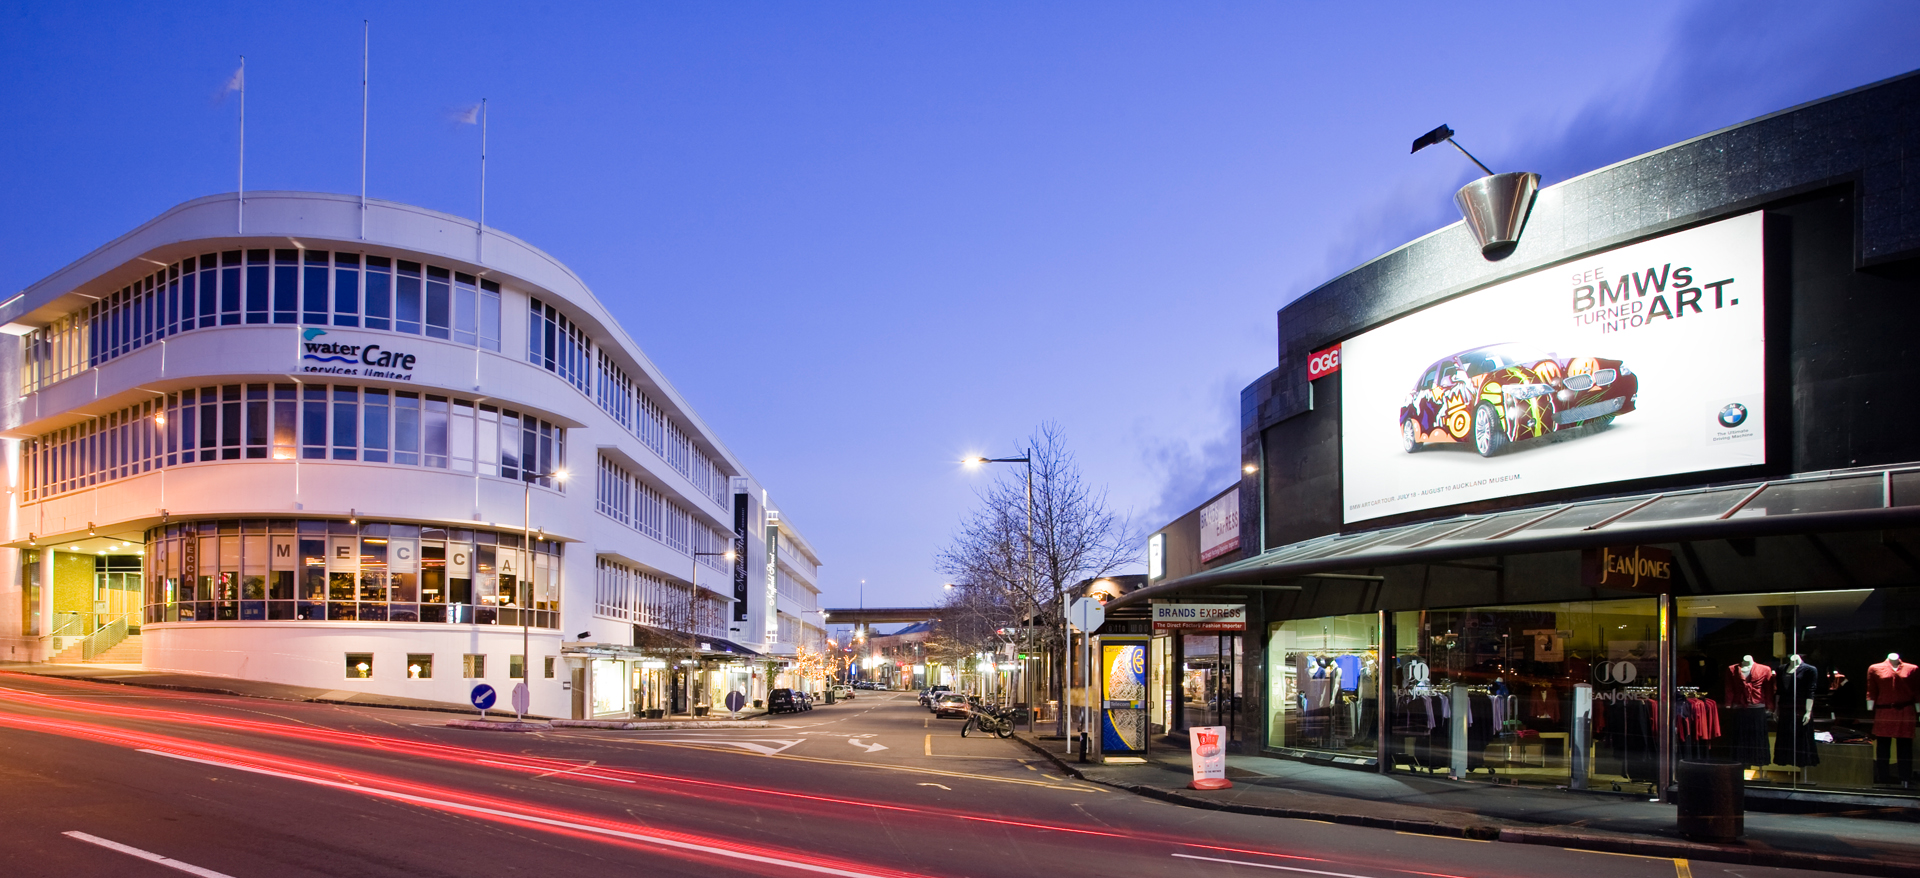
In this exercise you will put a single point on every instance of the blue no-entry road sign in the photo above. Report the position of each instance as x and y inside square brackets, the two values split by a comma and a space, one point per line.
[483, 696]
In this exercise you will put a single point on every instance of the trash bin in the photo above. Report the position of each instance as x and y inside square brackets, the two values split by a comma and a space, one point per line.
[1712, 800]
[829, 696]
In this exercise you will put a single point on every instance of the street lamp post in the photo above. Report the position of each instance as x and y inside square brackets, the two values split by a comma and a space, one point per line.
[524, 691]
[693, 635]
[1028, 460]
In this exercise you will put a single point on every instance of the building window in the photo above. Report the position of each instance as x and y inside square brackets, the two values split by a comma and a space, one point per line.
[276, 286]
[554, 343]
[340, 422]
[473, 666]
[549, 667]
[341, 571]
[419, 666]
[516, 667]
[359, 665]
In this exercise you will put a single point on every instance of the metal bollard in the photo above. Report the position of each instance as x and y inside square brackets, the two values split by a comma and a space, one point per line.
[1086, 743]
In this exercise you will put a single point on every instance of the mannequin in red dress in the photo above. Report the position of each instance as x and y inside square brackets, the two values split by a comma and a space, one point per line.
[1891, 690]
[1749, 688]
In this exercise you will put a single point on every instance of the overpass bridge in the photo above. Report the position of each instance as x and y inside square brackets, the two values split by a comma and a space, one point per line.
[880, 615]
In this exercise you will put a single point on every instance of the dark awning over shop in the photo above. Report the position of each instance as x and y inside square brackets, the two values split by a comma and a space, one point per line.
[717, 646]
[1809, 503]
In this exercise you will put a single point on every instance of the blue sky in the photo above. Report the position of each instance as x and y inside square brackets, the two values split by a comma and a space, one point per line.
[866, 239]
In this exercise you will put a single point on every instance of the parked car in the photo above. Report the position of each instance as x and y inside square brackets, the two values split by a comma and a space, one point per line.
[840, 693]
[1500, 394]
[951, 704]
[786, 701]
[928, 694]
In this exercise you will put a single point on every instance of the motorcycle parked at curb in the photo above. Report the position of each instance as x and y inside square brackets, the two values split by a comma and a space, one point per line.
[989, 719]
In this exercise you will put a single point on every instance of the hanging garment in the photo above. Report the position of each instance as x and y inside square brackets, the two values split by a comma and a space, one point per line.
[1892, 692]
[1793, 739]
[1349, 666]
[1747, 726]
[1751, 689]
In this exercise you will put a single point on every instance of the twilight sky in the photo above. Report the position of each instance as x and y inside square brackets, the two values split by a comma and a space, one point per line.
[867, 239]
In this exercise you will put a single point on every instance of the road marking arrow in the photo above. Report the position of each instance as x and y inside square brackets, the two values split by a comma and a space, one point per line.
[871, 748]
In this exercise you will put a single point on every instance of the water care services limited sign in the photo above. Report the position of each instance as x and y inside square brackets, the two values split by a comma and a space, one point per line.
[329, 352]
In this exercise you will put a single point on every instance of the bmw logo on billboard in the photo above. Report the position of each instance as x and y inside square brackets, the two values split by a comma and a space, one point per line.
[1733, 415]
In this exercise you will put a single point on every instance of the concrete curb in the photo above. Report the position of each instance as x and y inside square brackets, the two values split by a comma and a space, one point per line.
[1739, 854]
[645, 725]
[211, 690]
[480, 725]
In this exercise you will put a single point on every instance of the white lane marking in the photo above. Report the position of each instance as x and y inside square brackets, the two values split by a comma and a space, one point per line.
[871, 748]
[511, 815]
[149, 856]
[1271, 866]
[762, 746]
[552, 773]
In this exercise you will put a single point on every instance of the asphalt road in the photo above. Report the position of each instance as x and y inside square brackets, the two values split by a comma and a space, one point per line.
[100, 779]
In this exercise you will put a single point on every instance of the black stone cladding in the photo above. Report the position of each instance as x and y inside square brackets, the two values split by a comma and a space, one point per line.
[1863, 144]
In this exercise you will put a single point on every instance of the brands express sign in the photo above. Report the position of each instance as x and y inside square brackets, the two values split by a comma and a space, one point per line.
[1647, 360]
[1199, 617]
[330, 353]
[1220, 526]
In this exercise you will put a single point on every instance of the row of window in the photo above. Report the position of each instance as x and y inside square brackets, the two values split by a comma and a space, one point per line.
[419, 666]
[644, 418]
[559, 345]
[640, 598]
[318, 287]
[319, 570]
[799, 633]
[281, 421]
[312, 287]
[638, 505]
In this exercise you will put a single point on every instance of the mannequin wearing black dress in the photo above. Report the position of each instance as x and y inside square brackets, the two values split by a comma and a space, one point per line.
[1793, 736]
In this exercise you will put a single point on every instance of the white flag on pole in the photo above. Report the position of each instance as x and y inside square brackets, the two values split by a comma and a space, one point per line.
[236, 82]
[466, 115]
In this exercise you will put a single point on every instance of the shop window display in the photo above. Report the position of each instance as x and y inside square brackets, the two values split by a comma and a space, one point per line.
[1498, 692]
[341, 571]
[1810, 688]
[1325, 684]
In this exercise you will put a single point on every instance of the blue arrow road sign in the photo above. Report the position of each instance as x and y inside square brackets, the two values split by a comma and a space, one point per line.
[483, 696]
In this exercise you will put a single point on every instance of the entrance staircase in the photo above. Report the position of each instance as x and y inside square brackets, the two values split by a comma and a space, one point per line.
[110, 645]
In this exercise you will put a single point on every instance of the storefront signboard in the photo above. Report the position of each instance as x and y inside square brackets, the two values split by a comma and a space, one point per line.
[1199, 617]
[1647, 360]
[1208, 744]
[1220, 526]
[1324, 362]
[1645, 569]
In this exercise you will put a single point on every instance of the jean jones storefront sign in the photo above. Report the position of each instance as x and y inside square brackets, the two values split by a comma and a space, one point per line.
[1199, 617]
[1645, 569]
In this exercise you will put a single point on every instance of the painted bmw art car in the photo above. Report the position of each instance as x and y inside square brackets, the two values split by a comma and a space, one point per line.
[1500, 394]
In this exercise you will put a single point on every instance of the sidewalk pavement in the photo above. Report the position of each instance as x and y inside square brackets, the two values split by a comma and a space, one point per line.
[134, 675]
[1607, 822]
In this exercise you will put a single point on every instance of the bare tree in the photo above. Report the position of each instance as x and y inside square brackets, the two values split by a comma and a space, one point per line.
[1001, 571]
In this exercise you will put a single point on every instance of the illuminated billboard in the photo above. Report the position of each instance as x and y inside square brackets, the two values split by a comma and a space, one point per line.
[1646, 360]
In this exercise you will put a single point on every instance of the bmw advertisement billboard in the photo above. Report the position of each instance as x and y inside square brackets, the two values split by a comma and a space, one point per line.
[1646, 360]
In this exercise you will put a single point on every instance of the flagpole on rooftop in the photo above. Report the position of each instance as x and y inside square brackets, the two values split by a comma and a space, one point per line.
[480, 242]
[365, 45]
[240, 215]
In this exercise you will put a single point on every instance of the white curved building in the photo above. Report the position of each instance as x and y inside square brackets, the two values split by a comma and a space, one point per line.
[316, 445]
